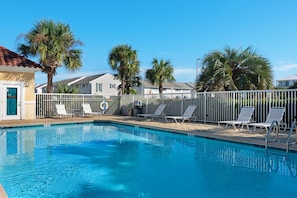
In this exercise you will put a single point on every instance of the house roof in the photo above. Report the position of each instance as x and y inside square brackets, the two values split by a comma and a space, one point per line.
[66, 81]
[40, 85]
[167, 85]
[191, 84]
[88, 79]
[10, 58]
[77, 80]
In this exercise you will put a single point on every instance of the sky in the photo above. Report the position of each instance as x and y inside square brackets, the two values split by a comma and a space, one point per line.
[182, 31]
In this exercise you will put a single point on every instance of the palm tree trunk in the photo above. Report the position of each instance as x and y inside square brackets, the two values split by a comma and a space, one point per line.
[160, 90]
[49, 88]
[123, 85]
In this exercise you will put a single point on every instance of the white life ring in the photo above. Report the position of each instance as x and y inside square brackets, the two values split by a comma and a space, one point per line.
[103, 106]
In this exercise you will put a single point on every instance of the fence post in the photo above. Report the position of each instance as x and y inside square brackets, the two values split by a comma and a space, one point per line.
[204, 94]
[146, 106]
[234, 106]
[182, 105]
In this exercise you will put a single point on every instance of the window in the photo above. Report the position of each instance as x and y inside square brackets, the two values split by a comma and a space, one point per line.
[98, 87]
[112, 86]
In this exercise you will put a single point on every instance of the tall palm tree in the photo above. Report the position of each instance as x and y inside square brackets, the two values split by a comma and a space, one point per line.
[161, 72]
[123, 59]
[234, 70]
[54, 44]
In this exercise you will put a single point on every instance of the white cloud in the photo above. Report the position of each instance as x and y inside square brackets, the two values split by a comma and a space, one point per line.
[183, 71]
[284, 70]
[185, 74]
[287, 67]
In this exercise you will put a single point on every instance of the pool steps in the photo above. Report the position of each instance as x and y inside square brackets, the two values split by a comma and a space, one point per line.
[274, 127]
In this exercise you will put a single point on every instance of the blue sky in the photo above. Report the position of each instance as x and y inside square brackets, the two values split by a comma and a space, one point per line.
[178, 30]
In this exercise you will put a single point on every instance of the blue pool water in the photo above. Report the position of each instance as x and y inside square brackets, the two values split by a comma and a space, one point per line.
[110, 160]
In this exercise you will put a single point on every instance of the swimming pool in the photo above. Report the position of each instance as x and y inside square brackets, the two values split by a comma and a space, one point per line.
[111, 160]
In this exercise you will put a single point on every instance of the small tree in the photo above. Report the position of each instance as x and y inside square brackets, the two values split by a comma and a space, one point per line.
[161, 72]
[66, 89]
[123, 59]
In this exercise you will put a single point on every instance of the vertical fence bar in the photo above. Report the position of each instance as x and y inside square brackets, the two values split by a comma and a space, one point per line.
[204, 107]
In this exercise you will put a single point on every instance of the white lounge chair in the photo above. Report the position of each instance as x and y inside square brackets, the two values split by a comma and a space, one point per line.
[275, 114]
[61, 111]
[87, 110]
[186, 116]
[243, 118]
[157, 114]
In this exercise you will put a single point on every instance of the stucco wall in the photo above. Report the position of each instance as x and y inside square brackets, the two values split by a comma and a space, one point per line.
[28, 110]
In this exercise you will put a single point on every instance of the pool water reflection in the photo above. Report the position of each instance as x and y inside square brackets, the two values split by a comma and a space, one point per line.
[110, 160]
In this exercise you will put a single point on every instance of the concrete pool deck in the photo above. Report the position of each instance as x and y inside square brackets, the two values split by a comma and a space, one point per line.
[2, 192]
[207, 130]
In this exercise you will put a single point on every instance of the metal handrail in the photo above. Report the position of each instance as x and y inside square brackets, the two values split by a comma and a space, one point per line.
[272, 126]
[2, 131]
[289, 136]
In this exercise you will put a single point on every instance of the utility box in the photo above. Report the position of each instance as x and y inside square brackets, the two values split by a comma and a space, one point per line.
[137, 104]
[137, 107]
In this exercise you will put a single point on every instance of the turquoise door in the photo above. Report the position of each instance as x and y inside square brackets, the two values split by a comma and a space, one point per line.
[12, 102]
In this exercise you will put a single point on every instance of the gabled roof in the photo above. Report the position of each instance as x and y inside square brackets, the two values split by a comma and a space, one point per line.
[78, 80]
[40, 85]
[87, 79]
[166, 85]
[10, 58]
[191, 84]
[66, 81]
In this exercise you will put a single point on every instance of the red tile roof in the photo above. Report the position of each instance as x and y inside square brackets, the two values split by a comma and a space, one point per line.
[10, 58]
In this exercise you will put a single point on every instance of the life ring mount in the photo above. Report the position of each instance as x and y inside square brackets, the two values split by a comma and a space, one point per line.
[104, 106]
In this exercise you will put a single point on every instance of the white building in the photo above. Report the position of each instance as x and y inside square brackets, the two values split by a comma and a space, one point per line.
[101, 84]
[40, 88]
[287, 81]
[170, 89]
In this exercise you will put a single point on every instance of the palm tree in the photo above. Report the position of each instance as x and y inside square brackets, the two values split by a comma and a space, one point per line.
[234, 70]
[54, 44]
[67, 89]
[161, 72]
[123, 59]
[131, 82]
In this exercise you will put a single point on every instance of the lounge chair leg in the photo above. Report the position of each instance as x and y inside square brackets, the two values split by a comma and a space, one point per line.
[241, 127]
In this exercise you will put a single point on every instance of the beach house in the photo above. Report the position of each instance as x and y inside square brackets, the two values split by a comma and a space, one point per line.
[17, 98]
